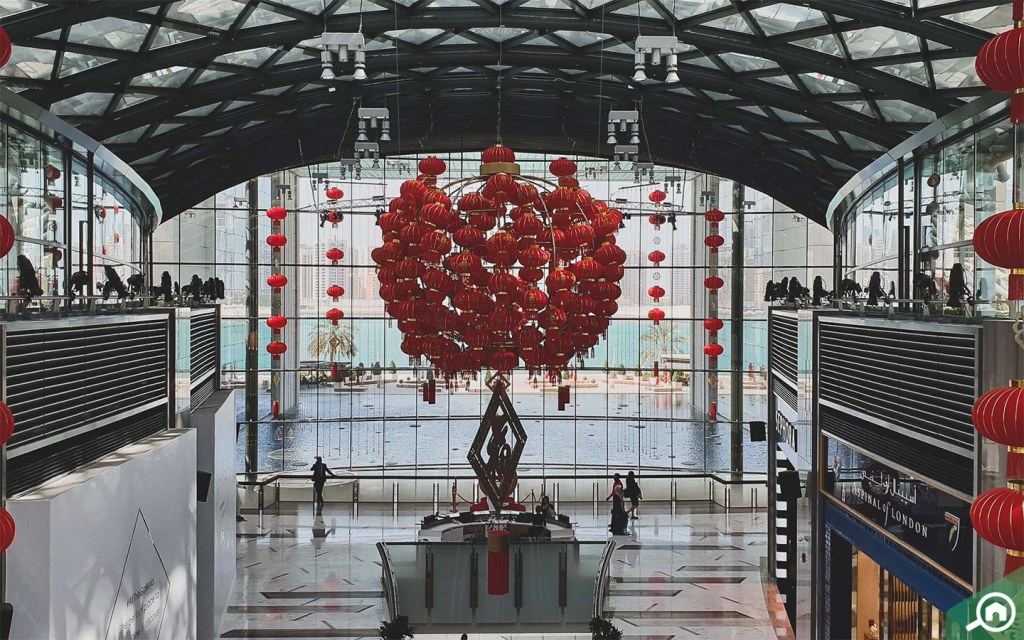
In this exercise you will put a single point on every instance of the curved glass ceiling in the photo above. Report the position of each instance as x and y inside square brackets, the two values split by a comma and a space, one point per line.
[789, 97]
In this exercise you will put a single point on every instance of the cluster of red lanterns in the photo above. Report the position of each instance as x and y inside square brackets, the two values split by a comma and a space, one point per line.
[277, 240]
[998, 515]
[513, 272]
[6, 519]
[713, 324]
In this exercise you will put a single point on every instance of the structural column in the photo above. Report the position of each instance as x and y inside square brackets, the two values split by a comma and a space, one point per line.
[252, 342]
[736, 333]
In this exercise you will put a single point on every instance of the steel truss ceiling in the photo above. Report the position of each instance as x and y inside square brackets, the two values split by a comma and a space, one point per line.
[788, 97]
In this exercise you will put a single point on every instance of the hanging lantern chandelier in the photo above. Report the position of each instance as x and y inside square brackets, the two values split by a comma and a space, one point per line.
[518, 271]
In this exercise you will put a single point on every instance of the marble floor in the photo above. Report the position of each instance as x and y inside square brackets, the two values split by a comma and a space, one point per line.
[690, 572]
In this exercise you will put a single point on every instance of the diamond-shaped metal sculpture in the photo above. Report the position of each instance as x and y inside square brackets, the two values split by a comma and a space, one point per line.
[501, 438]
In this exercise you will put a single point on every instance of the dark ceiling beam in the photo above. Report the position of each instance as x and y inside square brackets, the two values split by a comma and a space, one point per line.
[900, 18]
[457, 19]
[58, 16]
[529, 103]
[236, 87]
[188, 185]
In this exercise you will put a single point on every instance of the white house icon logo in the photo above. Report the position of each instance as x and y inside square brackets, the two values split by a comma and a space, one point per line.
[994, 612]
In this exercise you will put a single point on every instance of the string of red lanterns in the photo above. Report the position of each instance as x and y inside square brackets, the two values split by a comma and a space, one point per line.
[998, 514]
[276, 281]
[335, 255]
[518, 270]
[713, 324]
[7, 529]
[657, 256]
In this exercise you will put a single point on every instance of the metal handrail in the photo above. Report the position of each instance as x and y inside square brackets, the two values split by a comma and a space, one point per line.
[388, 579]
[601, 581]
[268, 477]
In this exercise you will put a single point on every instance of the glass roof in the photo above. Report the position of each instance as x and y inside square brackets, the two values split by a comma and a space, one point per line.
[821, 88]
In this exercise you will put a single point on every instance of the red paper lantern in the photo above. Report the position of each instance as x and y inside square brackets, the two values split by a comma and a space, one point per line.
[334, 193]
[5, 47]
[713, 350]
[657, 256]
[6, 424]
[714, 241]
[277, 280]
[1000, 65]
[587, 269]
[497, 560]
[999, 416]
[656, 292]
[504, 361]
[999, 240]
[277, 323]
[51, 173]
[277, 214]
[714, 216]
[560, 279]
[657, 196]
[562, 167]
[657, 220]
[334, 315]
[998, 517]
[276, 348]
[6, 236]
[431, 166]
[713, 283]
[498, 153]
[277, 240]
[335, 255]
[713, 324]
[335, 292]
[656, 315]
[7, 530]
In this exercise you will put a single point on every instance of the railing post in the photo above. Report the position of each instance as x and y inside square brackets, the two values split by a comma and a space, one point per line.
[435, 492]
[556, 497]
[394, 498]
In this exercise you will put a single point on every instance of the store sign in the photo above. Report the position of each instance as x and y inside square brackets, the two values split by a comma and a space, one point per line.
[785, 429]
[930, 521]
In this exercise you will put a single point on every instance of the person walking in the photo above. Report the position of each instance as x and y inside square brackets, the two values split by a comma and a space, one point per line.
[632, 491]
[617, 484]
[619, 517]
[320, 473]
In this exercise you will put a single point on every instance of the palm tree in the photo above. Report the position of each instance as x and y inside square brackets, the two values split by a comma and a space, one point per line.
[659, 340]
[331, 342]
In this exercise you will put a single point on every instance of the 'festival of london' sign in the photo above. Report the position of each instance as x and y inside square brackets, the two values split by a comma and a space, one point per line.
[930, 521]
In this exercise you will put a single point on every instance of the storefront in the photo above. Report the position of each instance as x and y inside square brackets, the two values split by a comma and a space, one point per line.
[899, 551]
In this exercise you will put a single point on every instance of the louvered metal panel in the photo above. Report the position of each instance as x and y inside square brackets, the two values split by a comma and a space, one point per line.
[27, 471]
[66, 378]
[919, 381]
[201, 393]
[921, 459]
[784, 391]
[203, 356]
[782, 345]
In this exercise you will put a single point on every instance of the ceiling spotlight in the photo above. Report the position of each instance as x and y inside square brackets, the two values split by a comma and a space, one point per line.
[638, 66]
[385, 132]
[672, 66]
[340, 44]
[634, 133]
[360, 73]
[656, 46]
[328, 72]
[611, 134]
[362, 132]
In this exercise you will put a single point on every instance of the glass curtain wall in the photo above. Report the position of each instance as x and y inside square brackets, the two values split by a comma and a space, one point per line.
[371, 418]
[947, 191]
[62, 223]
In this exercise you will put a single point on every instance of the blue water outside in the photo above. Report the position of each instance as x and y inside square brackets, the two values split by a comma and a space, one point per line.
[617, 430]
